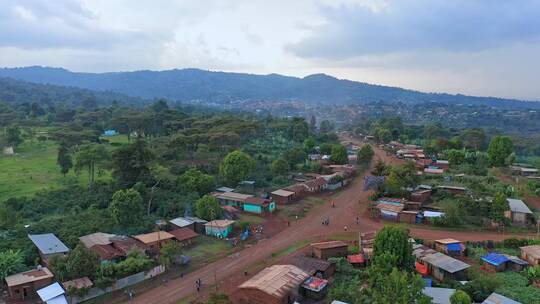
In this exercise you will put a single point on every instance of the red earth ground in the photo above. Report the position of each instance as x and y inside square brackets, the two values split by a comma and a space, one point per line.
[350, 203]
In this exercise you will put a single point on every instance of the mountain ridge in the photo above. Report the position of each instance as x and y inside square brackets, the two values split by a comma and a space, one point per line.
[193, 84]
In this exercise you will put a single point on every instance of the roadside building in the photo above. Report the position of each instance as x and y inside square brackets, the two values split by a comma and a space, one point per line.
[439, 295]
[450, 247]
[314, 288]
[495, 262]
[24, 285]
[219, 228]
[441, 266]
[389, 211]
[185, 236]
[299, 190]
[408, 216]
[126, 244]
[531, 254]
[182, 222]
[428, 216]
[48, 246]
[519, 213]
[523, 170]
[259, 205]
[277, 284]
[153, 241]
[101, 244]
[53, 294]
[231, 198]
[496, 298]
[316, 185]
[314, 267]
[283, 196]
[442, 164]
[325, 250]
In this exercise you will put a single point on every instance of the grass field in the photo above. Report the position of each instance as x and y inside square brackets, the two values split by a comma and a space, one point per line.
[34, 168]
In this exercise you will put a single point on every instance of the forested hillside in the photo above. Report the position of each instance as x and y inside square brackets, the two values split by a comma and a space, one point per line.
[221, 87]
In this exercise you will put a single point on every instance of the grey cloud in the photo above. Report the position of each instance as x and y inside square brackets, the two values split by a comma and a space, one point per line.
[441, 25]
[58, 24]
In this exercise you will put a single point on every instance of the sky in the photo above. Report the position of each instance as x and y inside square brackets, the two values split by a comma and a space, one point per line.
[474, 47]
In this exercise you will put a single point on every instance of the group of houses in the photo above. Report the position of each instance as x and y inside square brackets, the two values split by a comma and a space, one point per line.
[303, 278]
[423, 163]
[314, 183]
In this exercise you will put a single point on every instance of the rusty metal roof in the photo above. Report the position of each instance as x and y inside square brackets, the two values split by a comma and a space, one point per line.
[277, 280]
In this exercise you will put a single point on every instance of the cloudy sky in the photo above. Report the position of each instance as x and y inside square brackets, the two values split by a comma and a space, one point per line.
[479, 47]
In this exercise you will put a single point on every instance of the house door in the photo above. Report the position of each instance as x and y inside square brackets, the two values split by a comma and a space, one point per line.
[25, 292]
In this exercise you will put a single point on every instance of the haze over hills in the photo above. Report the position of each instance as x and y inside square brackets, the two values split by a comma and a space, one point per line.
[222, 87]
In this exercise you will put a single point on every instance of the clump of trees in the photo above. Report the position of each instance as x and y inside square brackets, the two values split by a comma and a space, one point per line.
[235, 167]
[208, 208]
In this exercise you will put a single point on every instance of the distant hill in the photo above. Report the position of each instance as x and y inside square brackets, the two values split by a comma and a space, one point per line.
[17, 91]
[222, 87]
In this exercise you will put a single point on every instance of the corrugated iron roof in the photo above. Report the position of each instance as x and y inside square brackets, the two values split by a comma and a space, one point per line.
[517, 205]
[445, 262]
[496, 298]
[330, 244]
[532, 250]
[277, 280]
[98, 238]
[154, 237]
[495, 258]
[48, 243]
[28, 276]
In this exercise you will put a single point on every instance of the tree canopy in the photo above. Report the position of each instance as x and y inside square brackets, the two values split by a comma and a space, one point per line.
[127, 207]
[235, 167]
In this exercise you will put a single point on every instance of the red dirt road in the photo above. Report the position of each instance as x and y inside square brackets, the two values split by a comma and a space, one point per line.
[309, 229]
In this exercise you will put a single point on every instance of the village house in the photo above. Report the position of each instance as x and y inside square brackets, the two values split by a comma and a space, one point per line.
[224, 189]
[299, 190]
[219, 228]
[433, 170]
[495, 262]
[531, 254]
[24, 285]
[453, 189]
[421, 195]
[423, 163]
[277, 284]
[184, 236]
[325, 250]
[259, 205]
[283, 196]
[153, 241]
[48, 246]
[101, 244]
[314, 267]
[77, 284]
[523, 170]
[408, 216]
[519, 213]
[231, 199]
[316, 185]
[442, 164]
[388, 211]
[441, 266]
[126, 244]
[450, 247]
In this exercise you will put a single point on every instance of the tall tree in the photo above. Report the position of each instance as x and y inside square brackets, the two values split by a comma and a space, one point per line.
[208, 208]
[131, 163]
[393, 240]
[236, 166]
[279, 167]
[126, 207]
[313, 124]
[196, 181]
[498, 207]
[89, 157]
[499, 149]
[339, 155]
[64, 159]
[474, 138]
[396, 287]
[81, 262]
[13, 135]
[365, 155]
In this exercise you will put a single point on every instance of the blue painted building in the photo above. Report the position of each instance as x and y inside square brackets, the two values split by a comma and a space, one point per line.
[219, 228]
[110, 133]
[259, 205]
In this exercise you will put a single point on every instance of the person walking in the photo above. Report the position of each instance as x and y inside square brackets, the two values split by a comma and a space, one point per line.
[346, 228]
[357, 220]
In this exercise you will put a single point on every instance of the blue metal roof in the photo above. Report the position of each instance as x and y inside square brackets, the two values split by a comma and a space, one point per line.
[495, 258]
[454, 247]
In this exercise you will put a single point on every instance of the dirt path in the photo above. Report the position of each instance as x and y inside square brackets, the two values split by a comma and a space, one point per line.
[309, 229]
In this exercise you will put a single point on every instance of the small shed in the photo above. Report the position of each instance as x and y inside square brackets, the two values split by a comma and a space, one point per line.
[282, 196]
[24, 285]
[53, 294]
[325, 250]
[421, 195]
[277, 284]
[453, 189]
[185, 236]
[516, 264]
[224, 189]
[408, 216]
[389, 211]
[219, 228]
[519, 212]
[198, 224]
[357, 260]
[314, 267]
[314, 288]
[442, 266]
[531, 254]
[182, 222]
[450, 246]
[443, 164]
[495, 262]
[432, 170]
